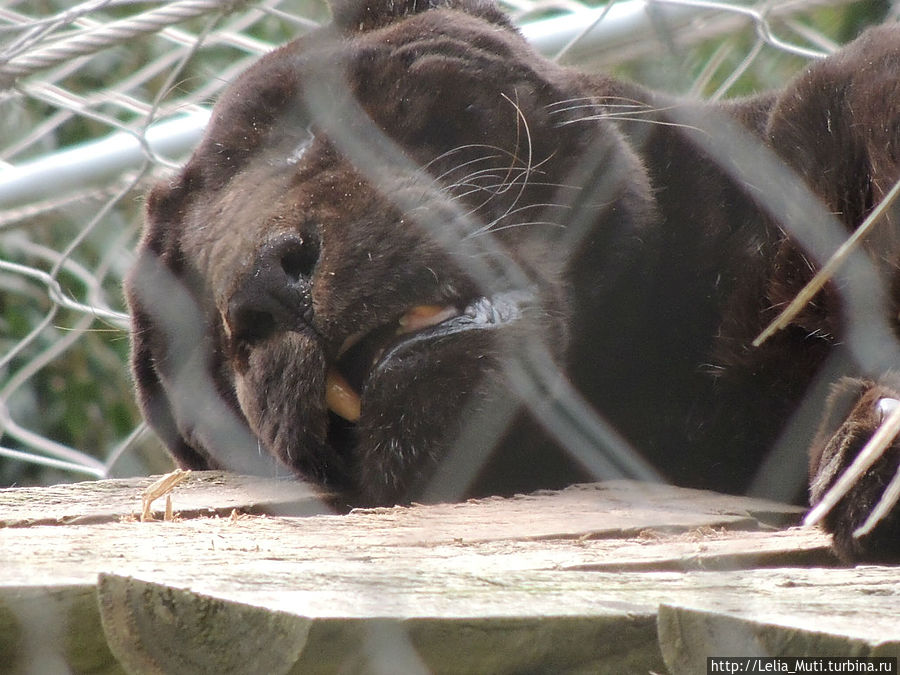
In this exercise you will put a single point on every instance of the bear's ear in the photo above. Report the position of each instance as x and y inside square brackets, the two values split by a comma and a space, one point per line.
[352, 16]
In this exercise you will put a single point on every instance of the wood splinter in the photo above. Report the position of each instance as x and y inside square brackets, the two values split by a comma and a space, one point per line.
[159, 488]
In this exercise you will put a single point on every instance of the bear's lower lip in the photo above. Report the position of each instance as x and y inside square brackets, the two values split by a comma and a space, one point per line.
[420, 325]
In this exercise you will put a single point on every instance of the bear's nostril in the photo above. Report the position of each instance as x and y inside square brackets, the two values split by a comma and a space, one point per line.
[275, 295]
[299, 260]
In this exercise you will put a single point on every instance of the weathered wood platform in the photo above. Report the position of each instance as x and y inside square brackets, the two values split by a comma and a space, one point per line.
[616, 577]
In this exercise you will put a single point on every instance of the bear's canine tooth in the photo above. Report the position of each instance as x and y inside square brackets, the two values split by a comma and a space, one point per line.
[340, 398]
[424, 316]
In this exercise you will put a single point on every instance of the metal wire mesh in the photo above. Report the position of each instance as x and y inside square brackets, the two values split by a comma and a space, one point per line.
[100, 98]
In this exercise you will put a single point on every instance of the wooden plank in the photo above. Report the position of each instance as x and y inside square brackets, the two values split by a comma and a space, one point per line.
[778, 627]
[244, 555]
[599, 509]
[203, 493]
[603, 641]
[53, 629]
[571, 580]
[197, 634]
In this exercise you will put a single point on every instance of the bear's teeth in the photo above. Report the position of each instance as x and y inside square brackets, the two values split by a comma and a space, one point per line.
[351, 341]
[416, 318]
[340, 398]
[424, 316]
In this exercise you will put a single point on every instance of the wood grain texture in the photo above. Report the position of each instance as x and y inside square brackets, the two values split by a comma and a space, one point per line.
[554, 582]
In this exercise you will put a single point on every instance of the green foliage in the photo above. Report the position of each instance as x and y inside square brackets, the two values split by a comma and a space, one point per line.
[681, 63]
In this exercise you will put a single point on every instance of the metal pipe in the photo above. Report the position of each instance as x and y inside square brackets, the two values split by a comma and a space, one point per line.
[97, 161]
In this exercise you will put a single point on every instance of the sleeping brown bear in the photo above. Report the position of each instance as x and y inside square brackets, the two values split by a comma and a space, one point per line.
[413, 259]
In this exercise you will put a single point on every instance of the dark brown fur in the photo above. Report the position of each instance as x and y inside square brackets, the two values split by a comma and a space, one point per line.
[342, 180]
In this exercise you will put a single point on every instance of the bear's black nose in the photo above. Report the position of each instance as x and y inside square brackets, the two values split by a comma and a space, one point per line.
[276, 295]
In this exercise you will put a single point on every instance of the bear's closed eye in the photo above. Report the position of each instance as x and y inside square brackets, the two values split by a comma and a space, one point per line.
[407, 238]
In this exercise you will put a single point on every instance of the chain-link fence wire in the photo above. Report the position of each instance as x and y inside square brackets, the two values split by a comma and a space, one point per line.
[100, 99]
